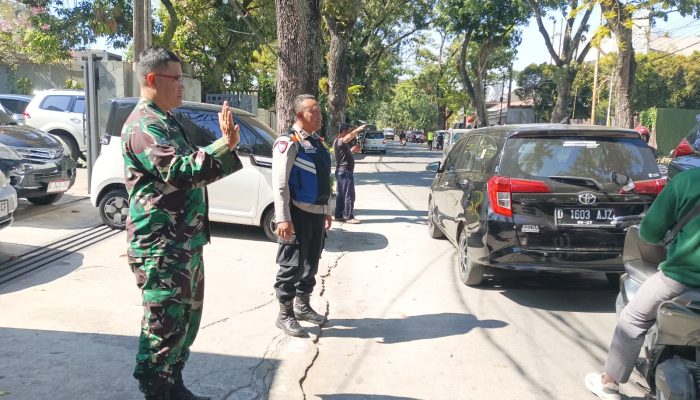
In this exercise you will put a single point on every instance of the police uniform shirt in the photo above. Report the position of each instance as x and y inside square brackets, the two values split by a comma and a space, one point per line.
[284, 154]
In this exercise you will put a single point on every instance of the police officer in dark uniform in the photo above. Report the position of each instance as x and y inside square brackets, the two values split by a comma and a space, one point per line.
[301, 187]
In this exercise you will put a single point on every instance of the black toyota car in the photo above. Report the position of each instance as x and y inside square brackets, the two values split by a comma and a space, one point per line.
[541, 197]
[34, 162]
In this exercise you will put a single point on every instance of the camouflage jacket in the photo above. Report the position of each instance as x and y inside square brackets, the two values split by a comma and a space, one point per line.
[165, 177]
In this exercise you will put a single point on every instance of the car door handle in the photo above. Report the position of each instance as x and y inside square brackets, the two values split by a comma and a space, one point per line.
[76, 120]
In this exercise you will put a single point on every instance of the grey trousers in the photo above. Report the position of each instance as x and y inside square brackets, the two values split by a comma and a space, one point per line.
[634, 322]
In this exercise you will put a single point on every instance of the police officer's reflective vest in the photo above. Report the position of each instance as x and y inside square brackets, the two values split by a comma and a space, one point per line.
[309, 179]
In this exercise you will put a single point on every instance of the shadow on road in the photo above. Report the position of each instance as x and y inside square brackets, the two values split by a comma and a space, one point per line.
[341, 240]
[415, 327]
[358, 396]
[555, 292]
[25, 271]
[47, 364]
[240, 232]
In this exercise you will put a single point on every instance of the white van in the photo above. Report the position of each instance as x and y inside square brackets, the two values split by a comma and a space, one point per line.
[244, 197]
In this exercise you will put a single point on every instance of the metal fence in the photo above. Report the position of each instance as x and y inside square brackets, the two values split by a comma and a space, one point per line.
[244, 101]
[672, 125]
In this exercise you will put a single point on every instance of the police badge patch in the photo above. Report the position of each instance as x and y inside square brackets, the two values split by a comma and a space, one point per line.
[282, 147]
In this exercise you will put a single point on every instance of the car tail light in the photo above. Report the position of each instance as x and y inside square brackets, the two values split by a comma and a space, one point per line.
[501, 188]
[683, 149]
[654, 186]
[26, 115]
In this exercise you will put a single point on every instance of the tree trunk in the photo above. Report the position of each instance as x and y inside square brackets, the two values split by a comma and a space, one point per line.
[338, 70]
[565, 80]
[172, 23]
[626, 66]
[299, 65]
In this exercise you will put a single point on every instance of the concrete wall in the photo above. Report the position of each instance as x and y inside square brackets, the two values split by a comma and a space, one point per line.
[42, 77]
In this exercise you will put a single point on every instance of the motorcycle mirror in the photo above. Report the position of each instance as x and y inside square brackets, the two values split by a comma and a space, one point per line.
[623, 181]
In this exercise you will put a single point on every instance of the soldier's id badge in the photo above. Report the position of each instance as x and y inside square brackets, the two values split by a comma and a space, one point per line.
[308, 147]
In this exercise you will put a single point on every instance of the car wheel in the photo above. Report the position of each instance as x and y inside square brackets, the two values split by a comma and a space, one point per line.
[72, 146]
[46, 199]
[470, 273]
[114, 208]
[269, 225]
[433, 229]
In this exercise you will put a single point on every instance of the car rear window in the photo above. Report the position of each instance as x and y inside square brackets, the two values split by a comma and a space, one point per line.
[56, 103]
[589, 157]
[374, 135]
[118, 115]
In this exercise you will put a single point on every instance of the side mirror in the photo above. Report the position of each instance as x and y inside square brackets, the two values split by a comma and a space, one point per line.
[433, 167]
[623, 181]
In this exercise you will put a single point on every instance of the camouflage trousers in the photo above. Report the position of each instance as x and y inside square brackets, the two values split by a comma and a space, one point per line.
[173, 292]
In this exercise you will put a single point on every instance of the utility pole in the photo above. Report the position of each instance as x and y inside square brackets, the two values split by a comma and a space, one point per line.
[143, 30]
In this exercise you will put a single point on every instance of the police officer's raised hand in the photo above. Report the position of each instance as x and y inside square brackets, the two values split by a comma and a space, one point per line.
[285, 230]
[229, 129]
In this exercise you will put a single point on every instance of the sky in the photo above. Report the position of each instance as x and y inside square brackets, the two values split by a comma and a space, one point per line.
[533, 50]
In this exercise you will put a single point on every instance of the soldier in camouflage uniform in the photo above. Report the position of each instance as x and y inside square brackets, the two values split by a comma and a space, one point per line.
[167, 224]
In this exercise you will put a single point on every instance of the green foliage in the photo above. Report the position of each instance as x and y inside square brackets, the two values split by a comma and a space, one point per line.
[648, 118]
[538, 82]
[410, 108]
[667, 81]
[71, 84]
[229, 51]
[24, 85]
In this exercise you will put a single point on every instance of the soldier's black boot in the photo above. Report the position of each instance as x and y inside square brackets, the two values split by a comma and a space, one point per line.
[154, 390]
[287, 322]
[304, 312]
[178, 391]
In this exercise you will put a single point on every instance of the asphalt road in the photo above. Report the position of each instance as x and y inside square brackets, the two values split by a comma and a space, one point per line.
[401, 325]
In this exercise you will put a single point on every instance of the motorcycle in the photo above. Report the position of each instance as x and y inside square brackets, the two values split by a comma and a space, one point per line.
[670, 357]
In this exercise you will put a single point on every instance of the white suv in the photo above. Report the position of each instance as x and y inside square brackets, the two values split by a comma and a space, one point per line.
[244, 197]
[60, 113]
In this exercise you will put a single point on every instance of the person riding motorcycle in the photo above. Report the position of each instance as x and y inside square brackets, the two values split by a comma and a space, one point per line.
[646, 136]
[679, 272]
[402, 137]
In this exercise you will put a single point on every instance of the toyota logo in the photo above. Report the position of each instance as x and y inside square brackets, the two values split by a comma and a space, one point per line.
[586, 198]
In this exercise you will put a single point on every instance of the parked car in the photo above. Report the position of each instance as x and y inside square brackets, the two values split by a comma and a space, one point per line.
[8, 201]
[34, 162]
[687, 153]
[60, 113]
[16, 104]
[540, 197]
[389, 134]
[244, 197]
[451, 137]
[373, 141]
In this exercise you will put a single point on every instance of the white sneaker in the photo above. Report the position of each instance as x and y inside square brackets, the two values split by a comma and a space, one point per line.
[609, 391]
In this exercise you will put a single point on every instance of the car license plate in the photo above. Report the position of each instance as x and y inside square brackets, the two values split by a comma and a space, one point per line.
[584, 217]
[4, 208]
[58, 186]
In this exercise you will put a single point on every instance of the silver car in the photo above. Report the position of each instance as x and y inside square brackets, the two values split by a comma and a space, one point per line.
[8, 201]
[373, 141]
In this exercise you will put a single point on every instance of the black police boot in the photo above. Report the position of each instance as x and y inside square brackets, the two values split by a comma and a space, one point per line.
[287, 322]
[161, 396]
[304, 312]
[154, 390]
[178, 391]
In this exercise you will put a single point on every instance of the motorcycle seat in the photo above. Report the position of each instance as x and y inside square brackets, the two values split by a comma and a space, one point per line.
[690, 298]
[640, 270]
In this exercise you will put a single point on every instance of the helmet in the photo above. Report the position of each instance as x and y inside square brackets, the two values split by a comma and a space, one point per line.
[642, 131]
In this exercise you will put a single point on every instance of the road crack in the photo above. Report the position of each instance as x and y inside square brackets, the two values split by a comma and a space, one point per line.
[326, 275]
